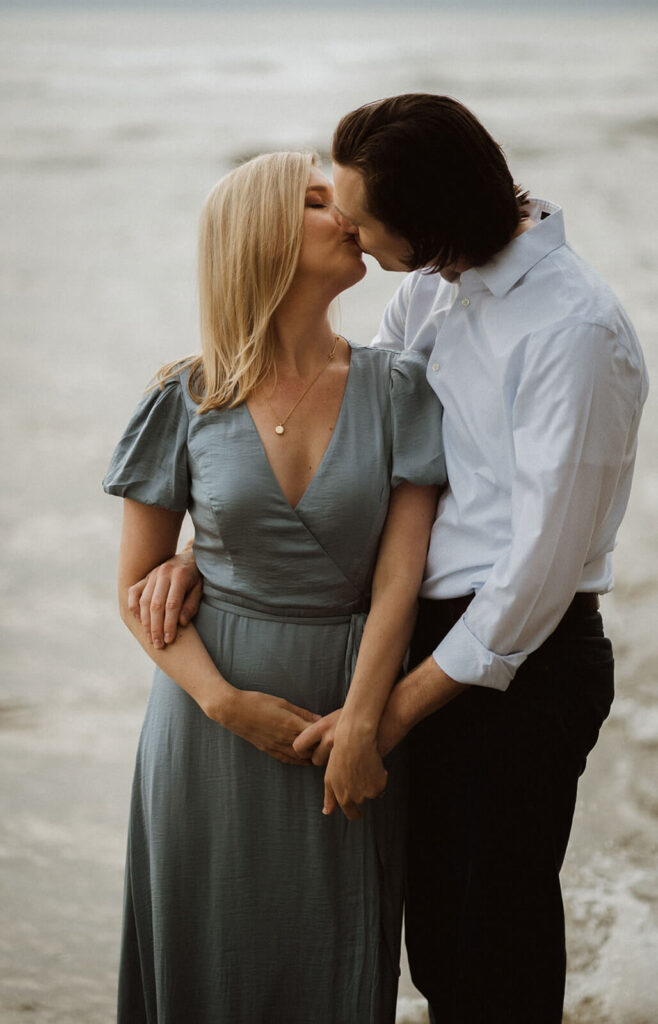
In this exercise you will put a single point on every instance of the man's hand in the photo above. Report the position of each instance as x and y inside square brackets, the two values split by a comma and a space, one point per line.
[168, 597]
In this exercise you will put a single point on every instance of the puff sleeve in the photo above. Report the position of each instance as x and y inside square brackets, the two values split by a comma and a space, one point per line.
[149, 464]
[416, 415]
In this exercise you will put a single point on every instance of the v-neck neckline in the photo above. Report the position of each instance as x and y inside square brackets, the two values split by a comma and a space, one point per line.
[325, 454]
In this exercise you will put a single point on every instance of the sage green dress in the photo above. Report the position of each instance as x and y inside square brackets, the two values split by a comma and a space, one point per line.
[243, 903]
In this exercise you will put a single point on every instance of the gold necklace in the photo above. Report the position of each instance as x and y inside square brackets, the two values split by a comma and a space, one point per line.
[280, 428]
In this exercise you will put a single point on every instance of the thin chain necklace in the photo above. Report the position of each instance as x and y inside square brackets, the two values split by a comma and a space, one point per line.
[280, 428]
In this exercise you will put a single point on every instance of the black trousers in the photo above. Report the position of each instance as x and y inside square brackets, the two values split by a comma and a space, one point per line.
[493, 789]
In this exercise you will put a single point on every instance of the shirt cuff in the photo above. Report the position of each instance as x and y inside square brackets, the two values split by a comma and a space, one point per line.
[464, 658]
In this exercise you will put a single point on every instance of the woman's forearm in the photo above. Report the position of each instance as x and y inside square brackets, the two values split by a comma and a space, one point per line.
[269, 723]
[385, 640]
[149, 536]
[355, 771]
[349, 747]
[396, 582]
[188, 663]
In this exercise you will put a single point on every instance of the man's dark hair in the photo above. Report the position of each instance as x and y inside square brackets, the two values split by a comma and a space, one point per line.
[432, 174]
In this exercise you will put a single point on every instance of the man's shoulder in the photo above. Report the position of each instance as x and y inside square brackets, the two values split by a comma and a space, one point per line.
[567, 288]
[568, 315]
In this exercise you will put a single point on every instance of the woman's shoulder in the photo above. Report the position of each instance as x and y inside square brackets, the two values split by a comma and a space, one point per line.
[149, 463]
[165, 404]
[176, 374]
[368, 354]
[389, 362]
[174, 385]
[410, 407]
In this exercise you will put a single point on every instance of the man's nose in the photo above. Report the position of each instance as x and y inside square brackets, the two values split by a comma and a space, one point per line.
[343, 223]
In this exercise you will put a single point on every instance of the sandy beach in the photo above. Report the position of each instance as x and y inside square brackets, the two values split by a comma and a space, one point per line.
[115, 126]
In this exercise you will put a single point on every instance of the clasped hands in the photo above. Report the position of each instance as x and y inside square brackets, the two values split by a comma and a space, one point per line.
[167, 599]
[355, 771]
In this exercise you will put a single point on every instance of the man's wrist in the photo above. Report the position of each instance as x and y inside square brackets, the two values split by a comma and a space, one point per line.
[440, 688]
[425, 690]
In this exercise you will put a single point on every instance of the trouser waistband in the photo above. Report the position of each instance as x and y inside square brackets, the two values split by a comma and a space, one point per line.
[450, 609]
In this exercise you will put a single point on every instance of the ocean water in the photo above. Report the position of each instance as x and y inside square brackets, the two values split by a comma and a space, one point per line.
[114, 125]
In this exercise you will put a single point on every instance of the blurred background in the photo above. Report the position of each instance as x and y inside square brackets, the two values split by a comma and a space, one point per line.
[115, 121]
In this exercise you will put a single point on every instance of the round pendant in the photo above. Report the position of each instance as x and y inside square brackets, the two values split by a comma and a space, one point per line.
[279, 429]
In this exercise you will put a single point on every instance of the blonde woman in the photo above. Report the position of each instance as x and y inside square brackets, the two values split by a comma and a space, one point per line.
[308, 467]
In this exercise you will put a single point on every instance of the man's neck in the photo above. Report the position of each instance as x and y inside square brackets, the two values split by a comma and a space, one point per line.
[455, 270]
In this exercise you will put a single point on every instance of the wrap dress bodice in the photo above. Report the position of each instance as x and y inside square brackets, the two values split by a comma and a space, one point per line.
[249, 541]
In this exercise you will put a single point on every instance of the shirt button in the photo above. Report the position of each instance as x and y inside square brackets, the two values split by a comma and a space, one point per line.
[436, 367]
[466, 302]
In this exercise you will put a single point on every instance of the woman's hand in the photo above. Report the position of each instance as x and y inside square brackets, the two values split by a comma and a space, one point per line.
[270, 723]
[355, 773]
[316, 741]
[167, 597]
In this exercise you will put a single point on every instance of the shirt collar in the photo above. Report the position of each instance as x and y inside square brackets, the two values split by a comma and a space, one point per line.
[509, 265]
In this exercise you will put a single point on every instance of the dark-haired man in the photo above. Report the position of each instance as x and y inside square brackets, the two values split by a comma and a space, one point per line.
[542, 382]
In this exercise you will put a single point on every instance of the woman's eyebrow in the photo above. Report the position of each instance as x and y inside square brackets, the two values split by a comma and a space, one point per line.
[318, 188]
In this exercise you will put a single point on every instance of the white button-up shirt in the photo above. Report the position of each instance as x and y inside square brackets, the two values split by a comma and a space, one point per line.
[542, 381]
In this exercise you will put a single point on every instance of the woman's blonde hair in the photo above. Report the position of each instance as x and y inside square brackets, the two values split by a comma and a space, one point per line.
[249, 242]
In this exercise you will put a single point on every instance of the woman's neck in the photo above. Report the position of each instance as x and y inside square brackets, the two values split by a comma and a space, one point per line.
[304, 336]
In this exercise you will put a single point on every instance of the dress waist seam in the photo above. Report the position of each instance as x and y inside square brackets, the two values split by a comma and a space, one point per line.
[302, 616]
